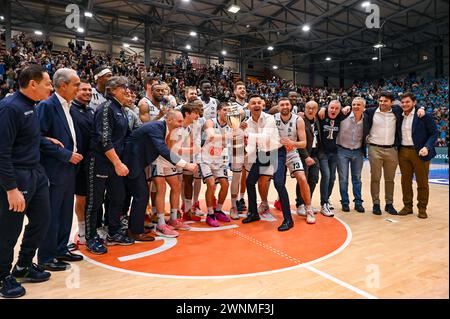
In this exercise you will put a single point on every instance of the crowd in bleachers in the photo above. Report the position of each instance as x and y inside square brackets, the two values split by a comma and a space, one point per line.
[179, 73]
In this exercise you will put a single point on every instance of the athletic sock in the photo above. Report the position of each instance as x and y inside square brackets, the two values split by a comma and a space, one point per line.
[210, 211]
[187, 204]
[81, 229]
[219, 207]
[161, 220]
[234, 202]
[173, 214]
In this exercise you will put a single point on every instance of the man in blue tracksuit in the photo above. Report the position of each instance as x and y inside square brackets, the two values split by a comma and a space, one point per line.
[24, 188]
[105, 167]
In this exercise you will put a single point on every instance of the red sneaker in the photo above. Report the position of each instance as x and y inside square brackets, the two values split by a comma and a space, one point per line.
[190, 216]
[277, 204]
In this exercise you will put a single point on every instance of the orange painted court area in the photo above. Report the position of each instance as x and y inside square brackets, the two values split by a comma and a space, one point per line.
[246, 249]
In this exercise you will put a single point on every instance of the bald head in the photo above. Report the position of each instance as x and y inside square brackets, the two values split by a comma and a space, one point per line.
[311, 109]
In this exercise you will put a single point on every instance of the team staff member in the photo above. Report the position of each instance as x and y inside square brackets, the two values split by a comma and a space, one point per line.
[106, 170]
[83, 117]
[60, 164]
[23, 182]
[417, 149]
[143, 148]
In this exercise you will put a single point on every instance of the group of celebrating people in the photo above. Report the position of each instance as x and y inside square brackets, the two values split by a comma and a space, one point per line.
[93, 149]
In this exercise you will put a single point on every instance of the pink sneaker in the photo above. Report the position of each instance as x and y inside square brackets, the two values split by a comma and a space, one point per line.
[212, 221]
[221, 217]
[165, 231]
[178, 224]
[264, 212]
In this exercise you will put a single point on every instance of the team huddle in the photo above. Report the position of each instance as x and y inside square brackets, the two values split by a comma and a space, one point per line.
[117, 158]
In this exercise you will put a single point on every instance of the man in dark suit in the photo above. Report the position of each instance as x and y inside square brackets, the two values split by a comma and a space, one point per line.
[418, 136]
[143, 148]
[60, 163]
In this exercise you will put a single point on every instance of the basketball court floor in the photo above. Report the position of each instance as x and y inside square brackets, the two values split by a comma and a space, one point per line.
[350, 256]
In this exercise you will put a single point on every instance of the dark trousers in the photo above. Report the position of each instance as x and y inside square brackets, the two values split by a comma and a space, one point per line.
[34, 185]
[328, 165]
[138, 189]
[102, 177]
[312, 175]
[61, 203]
[253, 177]
[279, 180]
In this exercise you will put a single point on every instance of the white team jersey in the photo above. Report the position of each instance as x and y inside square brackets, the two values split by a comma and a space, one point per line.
[216, 152]
[153, 110]
[210, 108]
[287, 129]
[97, 99]
[294, 109]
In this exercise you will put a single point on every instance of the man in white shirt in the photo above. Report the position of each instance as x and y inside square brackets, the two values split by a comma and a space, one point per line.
[262, 140]
[60, 165]
[382, 129]
[210, 104]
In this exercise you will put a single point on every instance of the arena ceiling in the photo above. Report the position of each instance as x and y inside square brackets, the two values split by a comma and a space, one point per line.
[337, 28]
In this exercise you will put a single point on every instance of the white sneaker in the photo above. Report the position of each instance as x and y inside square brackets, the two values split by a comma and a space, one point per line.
[301, 210]
[264, 212]
[315, 210]
[102, 232]
[326, 211]
[330, 206]
[310, 219]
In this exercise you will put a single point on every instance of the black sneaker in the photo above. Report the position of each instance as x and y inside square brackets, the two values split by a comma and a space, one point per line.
[119, 239]
[345, 208]
[241, 205]
[95, 246]
[359, 208]
[376, 209]
[32, 274]
[10, 288]
[390, 209]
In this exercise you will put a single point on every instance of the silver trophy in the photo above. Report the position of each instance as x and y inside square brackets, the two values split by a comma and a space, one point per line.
[234, 122]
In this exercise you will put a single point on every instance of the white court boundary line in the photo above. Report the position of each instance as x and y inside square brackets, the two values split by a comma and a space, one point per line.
[306, 265]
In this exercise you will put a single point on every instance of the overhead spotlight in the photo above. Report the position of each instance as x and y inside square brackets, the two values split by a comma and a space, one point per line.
[247, 26]
[126, 45]
[186, 0]
[224, 52]
[365, 4]
[193, 34]
[37, 32]
[275, 67]
[375, 58]
[306, 28]
[188, 46]
[2, 18]
[234, 8]
[80, 30]
[88, 14]
[270, 48]
[379, 45]
[425, 57]
[328, 58]
[135, 38]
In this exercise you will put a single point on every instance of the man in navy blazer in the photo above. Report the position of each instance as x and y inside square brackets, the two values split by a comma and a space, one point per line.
[60, 164]
[143, 147]
[418, 137]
